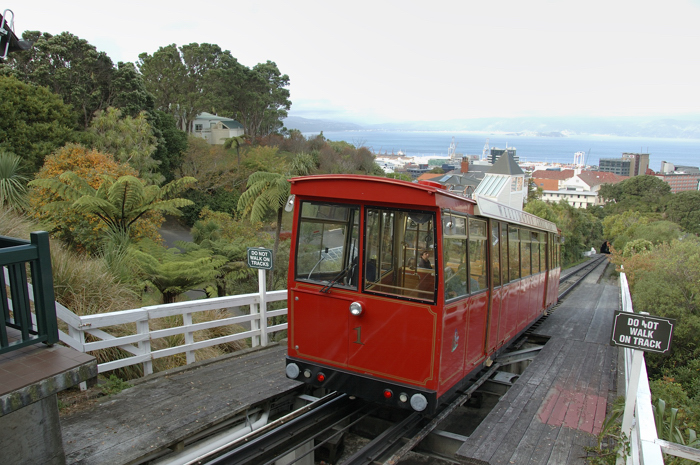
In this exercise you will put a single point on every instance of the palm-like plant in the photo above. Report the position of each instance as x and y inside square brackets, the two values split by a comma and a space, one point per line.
[235, 143]
[13, 186]
[116, 202]
[268, 192]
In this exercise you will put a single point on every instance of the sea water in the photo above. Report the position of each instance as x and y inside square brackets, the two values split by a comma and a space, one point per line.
[433, 144]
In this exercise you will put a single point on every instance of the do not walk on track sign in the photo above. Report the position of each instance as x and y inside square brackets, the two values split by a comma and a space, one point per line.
[642, 332]
[259, 258]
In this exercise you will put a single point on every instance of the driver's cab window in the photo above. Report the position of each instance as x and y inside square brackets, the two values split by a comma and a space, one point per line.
[328, 244]
[399, 255]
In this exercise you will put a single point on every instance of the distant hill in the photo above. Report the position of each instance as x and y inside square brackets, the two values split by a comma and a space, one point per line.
[318, 125]
[672, 128]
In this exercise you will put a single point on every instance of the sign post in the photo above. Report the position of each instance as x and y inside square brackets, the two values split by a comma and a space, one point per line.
[261, 259]
[642, 333]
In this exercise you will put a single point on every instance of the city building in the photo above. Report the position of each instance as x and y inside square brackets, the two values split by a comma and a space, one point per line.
[631, 164]
[496, 153]
[639, 162]
[680, 178]
[619, 166]
[551, 180]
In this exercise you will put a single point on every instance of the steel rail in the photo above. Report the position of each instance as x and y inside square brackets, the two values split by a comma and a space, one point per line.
[458, 402]
[588, 268]
[282, 437]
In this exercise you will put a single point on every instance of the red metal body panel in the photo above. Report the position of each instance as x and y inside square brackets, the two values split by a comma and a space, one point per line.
[553, 286]
[476, 335]
[509, 309]
[392, 339]
[497, 320]
[398, 342]
[453, 343]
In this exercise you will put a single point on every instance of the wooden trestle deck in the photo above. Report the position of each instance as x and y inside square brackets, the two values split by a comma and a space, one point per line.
[559, 403]
[169, 407]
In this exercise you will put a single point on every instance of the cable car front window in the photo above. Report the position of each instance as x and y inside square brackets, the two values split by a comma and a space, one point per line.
[327, 244]
[400, 253]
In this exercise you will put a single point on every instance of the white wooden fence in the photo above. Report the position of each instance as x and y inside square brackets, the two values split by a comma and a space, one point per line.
[138, 344]
[638, 422]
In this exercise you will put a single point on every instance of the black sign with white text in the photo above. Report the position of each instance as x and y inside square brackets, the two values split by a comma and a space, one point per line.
[642, 332]
[259, 258]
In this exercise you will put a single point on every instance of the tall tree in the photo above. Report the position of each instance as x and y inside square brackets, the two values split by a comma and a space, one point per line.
[164, 77]
[183, 79]
[264, 99]
[85, 78]
[684, 208]
[34, 122]
[172, 144]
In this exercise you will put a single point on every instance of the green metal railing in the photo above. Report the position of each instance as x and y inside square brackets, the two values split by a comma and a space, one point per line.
[32, 324]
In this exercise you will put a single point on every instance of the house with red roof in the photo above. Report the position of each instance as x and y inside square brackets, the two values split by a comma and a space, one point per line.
[578, 188]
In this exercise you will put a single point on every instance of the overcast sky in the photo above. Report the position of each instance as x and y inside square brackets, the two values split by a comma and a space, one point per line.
[379, 61]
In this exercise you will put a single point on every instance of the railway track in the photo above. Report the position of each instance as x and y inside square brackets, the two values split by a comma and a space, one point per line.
[387, 436]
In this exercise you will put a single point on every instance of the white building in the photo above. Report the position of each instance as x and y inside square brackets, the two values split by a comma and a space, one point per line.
[581, 189]
[575, 198]
[216, 129]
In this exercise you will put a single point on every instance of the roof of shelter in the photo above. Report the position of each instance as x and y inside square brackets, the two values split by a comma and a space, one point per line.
[228, 122]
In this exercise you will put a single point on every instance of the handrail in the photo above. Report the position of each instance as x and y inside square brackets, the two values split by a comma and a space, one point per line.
[138, 343]
[31, 327]
[645, 446]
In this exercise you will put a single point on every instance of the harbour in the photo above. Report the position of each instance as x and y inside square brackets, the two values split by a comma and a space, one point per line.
[422, 146]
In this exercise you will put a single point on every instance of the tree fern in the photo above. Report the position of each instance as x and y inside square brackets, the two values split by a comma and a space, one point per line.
[174, 273]
[268, 192]
[116, 202]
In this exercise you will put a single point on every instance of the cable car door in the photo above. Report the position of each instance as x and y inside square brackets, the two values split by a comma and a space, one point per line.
[325, 281]
[392, 335]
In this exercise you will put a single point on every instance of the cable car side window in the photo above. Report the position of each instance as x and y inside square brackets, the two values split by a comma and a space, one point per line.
[495, 254]
[535, 249]
[543, 249]
[454, 252]
[328, 244]
[399, 253]
[477, 255]
[525, 261]
[513, 253]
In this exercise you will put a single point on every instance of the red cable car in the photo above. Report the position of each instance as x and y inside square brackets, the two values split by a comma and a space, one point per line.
[400, 292]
